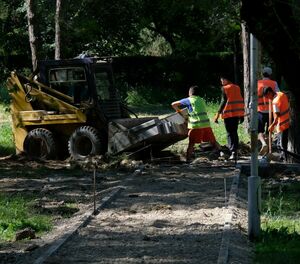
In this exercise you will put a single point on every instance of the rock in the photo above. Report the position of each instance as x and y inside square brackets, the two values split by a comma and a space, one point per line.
[31, 247]
[25, 233]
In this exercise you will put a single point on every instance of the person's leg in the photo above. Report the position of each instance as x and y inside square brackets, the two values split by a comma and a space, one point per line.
[262, 121]
[208, 136]
[227, 123]
[195, 136]
[231, 125]
[189, 151]
[282, 142]
[279, 144]
[234, 133]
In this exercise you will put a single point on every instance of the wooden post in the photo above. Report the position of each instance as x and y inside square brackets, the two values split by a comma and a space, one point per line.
[270, 122]
[94, 190]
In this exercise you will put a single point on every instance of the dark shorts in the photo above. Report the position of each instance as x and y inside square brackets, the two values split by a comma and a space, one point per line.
[263, 122]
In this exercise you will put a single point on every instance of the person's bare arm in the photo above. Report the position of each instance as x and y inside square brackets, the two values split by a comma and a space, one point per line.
[176, 105]
[271, 127]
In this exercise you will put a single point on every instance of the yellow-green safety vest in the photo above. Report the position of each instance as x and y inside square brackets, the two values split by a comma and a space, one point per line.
[198, 117]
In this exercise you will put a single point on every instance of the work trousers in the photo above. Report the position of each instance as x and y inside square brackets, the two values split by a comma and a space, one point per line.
[282, 143]
[231, 125]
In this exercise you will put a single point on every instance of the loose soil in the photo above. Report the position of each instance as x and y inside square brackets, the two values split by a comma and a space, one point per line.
[169, 213]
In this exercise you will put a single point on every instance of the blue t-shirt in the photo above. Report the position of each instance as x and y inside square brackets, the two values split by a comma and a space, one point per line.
[186, 103]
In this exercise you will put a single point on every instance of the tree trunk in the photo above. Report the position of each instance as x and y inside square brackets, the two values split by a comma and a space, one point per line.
[246, 71]
[57, 29]
[31, 33]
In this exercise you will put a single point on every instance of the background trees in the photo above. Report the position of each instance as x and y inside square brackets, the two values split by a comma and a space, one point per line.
[133, 27]
[197, 38]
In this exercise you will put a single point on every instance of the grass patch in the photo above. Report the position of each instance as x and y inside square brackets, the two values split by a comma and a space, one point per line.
[280, 237]
[16, 213]
[6, 137]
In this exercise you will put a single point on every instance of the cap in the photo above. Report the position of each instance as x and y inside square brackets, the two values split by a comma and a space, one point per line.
[267, 70]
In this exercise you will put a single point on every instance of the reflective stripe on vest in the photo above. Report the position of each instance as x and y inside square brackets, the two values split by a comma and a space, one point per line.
[234, 106]
[198, 117]
[263, 103]
[281, 102]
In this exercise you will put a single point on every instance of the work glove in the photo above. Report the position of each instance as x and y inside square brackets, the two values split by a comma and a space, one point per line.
[216, 118]
[241, 120]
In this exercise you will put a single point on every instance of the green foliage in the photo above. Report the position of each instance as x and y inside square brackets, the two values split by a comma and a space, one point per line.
[4, 96]
[282, 200]
[6, 137]
[122, 28]
[153, 44]
[16, 213]
[278, 245]
[280, 237]
[144, 95]
[135, 98]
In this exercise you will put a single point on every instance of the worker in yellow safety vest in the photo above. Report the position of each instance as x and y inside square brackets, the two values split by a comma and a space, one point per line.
[198, 121]
[263, 106]
[232, 110]
[281, 111]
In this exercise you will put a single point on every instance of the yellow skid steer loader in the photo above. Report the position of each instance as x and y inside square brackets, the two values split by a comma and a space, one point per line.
[71, 107]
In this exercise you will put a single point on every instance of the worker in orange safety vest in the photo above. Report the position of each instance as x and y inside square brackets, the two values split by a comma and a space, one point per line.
[232, 111]
[281, 111]
[263, 106]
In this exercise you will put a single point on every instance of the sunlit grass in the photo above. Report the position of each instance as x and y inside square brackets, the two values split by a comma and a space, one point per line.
[280, 238]
[6, 136]
[17, 214]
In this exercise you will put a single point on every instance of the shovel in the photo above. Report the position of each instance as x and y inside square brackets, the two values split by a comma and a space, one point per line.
[270, 121]
[270, 156]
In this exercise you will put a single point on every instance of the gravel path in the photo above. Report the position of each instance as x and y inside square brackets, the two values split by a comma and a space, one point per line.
[168, 214]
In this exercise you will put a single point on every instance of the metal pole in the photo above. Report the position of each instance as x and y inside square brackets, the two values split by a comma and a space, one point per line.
[254, 185]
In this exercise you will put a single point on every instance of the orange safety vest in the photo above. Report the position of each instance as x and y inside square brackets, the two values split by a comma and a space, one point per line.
[235, 103]
[281, 101]
[263, 103]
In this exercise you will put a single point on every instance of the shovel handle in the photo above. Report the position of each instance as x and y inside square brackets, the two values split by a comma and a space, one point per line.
[270, 122]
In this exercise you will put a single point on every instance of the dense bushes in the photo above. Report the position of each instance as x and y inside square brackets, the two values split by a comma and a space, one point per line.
[146, 79]
[161, 79]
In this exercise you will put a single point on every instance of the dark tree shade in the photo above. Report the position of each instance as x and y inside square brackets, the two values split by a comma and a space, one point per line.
[276, 24]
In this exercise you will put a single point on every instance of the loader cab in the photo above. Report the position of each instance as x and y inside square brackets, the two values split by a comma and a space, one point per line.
[70, 81]
[71, 78]
[87, 80]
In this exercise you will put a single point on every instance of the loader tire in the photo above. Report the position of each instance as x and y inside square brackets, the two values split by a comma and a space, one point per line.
[39, 143]
[85, 141]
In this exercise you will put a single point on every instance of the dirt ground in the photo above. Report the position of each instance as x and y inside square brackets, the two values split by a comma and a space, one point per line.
[170, 213]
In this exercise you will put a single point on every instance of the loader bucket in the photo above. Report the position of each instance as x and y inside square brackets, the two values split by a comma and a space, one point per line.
[133, 134]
